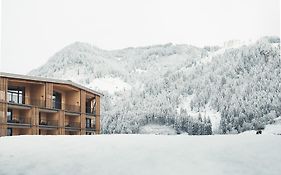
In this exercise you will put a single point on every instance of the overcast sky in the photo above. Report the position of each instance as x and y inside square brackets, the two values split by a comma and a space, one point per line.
[33, 30]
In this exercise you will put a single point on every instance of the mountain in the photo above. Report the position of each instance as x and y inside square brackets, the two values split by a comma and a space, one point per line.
[86, 62]
[226, 89]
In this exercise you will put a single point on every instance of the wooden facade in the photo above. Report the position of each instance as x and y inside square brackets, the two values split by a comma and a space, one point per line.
[41, 106]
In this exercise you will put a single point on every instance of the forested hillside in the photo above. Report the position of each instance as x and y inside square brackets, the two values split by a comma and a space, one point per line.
[226, 89]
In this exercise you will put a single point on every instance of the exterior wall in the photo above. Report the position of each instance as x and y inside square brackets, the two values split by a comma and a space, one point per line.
[3, 88]
[22, 131]
[3, 105]
[72, 97]
[98, 114]
[60, 117]
[34, 113]
[63, 100]
[3, 119]
[43, 91]
[48, 132]
[37, 96]
[83, 101]
[49, 94]
[27, 99]
[83, 124]
[69, 118]
[38, 92]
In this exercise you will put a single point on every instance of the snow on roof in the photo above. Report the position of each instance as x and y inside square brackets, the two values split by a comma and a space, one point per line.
[51, 80]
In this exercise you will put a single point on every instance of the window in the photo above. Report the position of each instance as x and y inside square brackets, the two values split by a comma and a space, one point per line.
[56, 100]
[88, 106]
[16, 95]
[88, 123]
[9, 115]
[9, 131]
[91, 106]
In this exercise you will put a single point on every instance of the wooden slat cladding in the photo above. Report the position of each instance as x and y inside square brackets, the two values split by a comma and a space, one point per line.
[49, 94]
[3, 88]
[37, 108]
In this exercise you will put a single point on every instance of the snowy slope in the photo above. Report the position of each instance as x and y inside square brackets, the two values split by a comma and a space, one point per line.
[81, 62]
[140, 155]
[270, 129]
[144, 84]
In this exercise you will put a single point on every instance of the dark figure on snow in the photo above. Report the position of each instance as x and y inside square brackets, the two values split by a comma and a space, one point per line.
[258, 132]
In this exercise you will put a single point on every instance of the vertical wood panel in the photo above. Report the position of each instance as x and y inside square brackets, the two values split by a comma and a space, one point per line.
[83, 101]
[49, 95]
[98, 114]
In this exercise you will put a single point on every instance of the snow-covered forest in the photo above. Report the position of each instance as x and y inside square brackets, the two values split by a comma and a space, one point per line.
[199, 91]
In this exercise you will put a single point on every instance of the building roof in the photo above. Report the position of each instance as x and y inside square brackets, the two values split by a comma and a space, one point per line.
[51, 80]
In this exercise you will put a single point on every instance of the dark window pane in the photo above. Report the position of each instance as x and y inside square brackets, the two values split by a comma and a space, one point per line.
[88, 123]
[56, 100]
[9, 132]
[16, 94]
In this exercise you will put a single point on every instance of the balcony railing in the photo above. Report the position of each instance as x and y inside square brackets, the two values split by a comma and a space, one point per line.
[72, 108]
[75, 125]
[20, 121]
[28, 101]
[48, 123]
[66, 107]
[15, 101]
[38, 102]
[42, 103]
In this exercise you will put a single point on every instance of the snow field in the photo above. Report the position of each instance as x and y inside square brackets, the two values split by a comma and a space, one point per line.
[141, 155]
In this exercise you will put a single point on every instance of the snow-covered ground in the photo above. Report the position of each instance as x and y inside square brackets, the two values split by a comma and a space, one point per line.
[141, 155]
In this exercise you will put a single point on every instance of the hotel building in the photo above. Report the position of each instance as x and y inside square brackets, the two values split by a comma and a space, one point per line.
[42, 106]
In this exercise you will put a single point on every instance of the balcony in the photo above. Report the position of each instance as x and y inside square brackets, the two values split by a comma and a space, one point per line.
[48, 123]
[72, 125]
[26, 93]
[66, 107]
[26, 101]
[21, 121]
[71, 108]
[38, 102]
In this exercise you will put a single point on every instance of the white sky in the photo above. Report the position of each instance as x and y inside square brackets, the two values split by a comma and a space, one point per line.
[33, 30]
